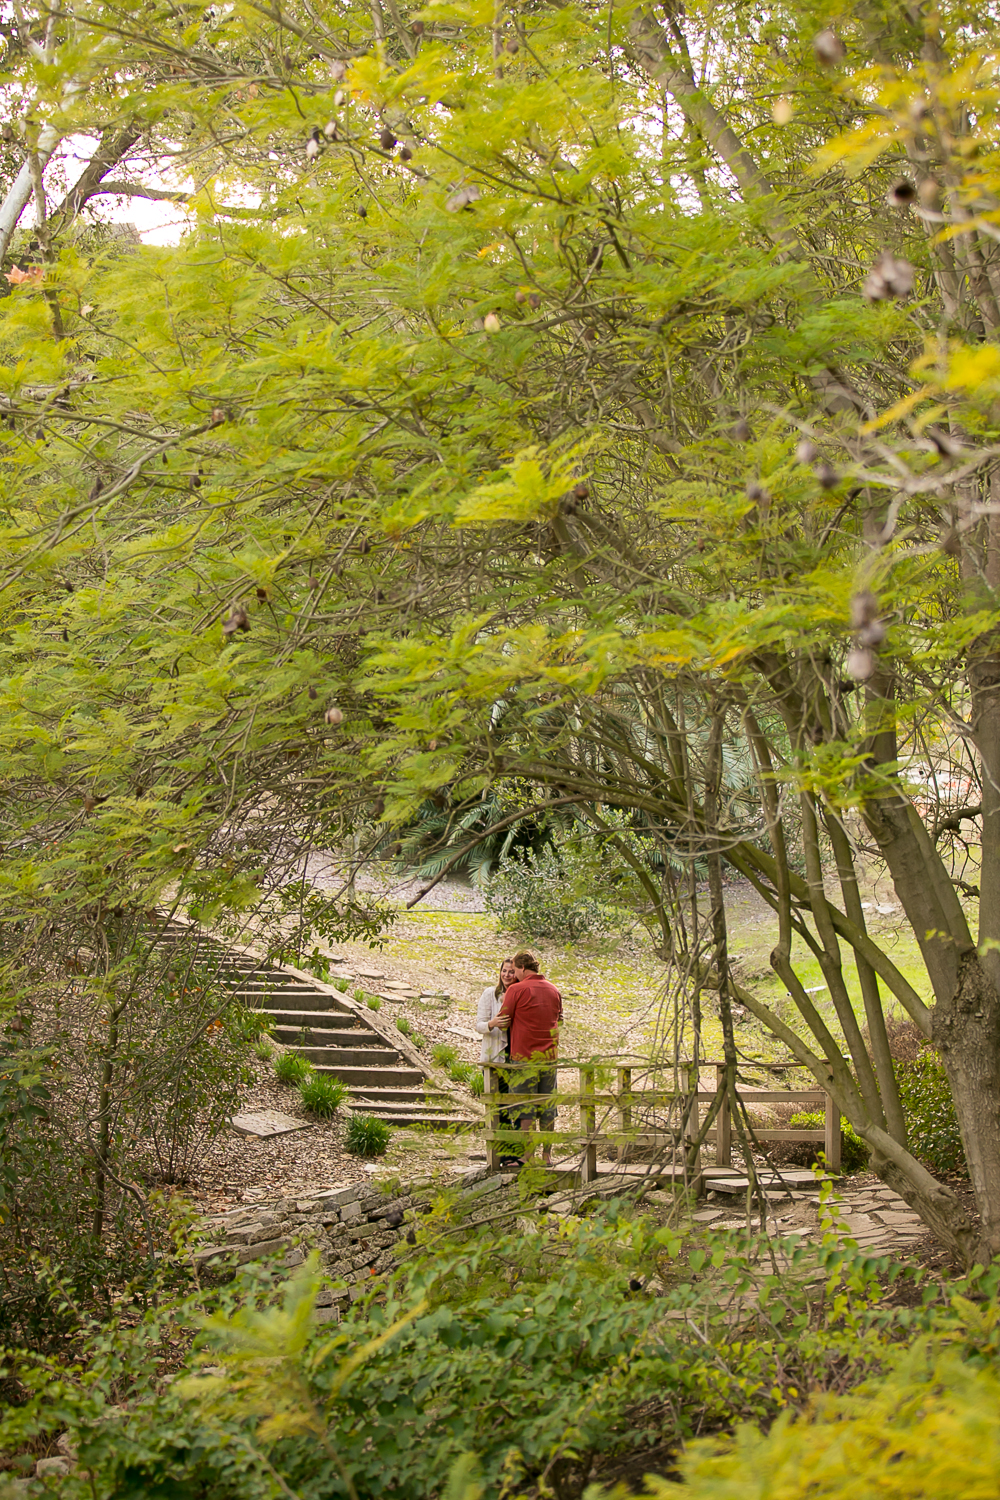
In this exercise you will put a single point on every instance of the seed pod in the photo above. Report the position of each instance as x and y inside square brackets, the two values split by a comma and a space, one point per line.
[365, 547]
[405, 154]
[313, 695]
[827, 476]
[387, 140]
[860, 664]
[95, 489]
[581, 491]
[872, 635]
[89, 803]
[218, 416]
[520, 295]
[889, 279]
[378, 807]
[339, 98]
[194, 482]
[417, 29]
[464, 198]
[828, 47]
[806, 451]
[512, 45]
[411, 1237]
[263, 595]
[338, 71]
[901, 194]
[330, 130]
[362, 212]
[432, 744]
[930, 194]
[238, 620]
[491, 323]
[740, 431]
[756, 492]
[313, 581]
[334, 716]
[312, 149]
[864, 609]
[534, 300]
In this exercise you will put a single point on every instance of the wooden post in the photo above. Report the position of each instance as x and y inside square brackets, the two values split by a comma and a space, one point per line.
[723, 1123]
[624, 1111]
[491, 1097]
[692, 1117]
[588, 1125]
[831, 1144]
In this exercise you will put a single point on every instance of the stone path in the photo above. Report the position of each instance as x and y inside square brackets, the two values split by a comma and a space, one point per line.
[865, 1212]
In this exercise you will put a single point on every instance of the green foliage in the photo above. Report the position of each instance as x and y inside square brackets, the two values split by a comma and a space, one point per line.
[475, 1082]
[929, 1432]
[263, 1050]
[444, 1054]
[359, 996]
[367, 1136]
[403, 1025]
[374, 1002]
[854, 1153]
[931, 1123]
[342, 985]
[290, 1068]
[323, 1095]
[537, 896]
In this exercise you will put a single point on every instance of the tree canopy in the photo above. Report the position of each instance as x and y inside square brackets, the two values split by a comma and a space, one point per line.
[566, 398]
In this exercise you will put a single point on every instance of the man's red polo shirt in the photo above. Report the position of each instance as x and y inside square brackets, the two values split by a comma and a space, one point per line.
[535, 1008]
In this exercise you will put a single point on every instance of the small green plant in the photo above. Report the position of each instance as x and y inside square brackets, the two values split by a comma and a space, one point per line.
[931, 1123]
[854, 1153]
[290, 1068]
[461, 1072]
[418, 1039]
[323, 1095]
[403, 1025]
[359, 995]
[263, 1049]
[374, 1003]
[475, 1082]
[444, 1054]
[367, 1136]
[341, 986]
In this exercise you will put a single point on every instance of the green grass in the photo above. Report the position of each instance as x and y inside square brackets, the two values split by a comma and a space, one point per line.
[341, 986]
[367, 1136]
[290, 1068]
[323, 1095]
[444, 1054]
[403, 1025]
[374, 1003]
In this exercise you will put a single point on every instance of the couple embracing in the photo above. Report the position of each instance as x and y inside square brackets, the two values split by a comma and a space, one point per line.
[518, 1020]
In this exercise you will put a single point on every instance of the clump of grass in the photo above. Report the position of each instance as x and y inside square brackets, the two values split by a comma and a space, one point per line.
[263, 1049]
[418, 1039]
[475, 1082]
[359, 996]
[461, 1072]
[444, 1054]
[340, 985]
[367, 1136]
[290, 1068]
[403, 1025]
[374, 1003]
[323, 1095]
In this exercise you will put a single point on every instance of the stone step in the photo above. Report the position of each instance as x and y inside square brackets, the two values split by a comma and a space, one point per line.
[333, 1021]
[277, 1002]
[291, 1034]
[391, 1077]
[268, 989]
[345, 1057]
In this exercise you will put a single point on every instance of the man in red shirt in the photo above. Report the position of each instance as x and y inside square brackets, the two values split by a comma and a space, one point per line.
[532, 1008]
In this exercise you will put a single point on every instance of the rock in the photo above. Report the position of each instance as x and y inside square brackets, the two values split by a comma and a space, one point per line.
[346, 1193]
[350, 1211]
[261, 1248]
[47, 1468]
[266, 1123]
[326, 1315]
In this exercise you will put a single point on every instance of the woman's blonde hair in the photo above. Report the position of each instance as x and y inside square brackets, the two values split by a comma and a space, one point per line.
[501, 988]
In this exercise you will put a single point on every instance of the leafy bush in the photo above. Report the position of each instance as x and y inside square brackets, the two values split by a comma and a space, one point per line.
[323, 1095]
[290, 1068]
[374, 1002]
[931, 1122]
[923, 1434]
[854, 1153]
[367, 1136]
[444, 1054]
[534, 894]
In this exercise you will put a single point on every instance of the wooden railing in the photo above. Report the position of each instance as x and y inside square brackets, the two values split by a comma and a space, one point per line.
[620, 1103]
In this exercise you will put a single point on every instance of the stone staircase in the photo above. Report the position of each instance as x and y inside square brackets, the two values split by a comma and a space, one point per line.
[386, 1077]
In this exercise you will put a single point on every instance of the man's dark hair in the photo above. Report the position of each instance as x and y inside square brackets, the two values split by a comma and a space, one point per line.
[526, 961]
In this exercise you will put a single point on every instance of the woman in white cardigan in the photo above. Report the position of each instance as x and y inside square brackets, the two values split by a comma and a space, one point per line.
[493, 1048]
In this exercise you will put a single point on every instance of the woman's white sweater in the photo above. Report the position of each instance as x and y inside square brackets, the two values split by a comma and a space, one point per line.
[494, 1042]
